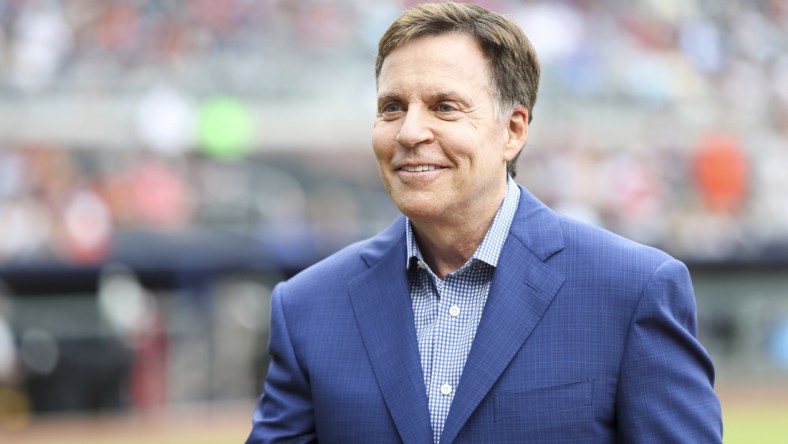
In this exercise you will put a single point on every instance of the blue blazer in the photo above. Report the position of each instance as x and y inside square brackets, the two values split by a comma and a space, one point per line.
[586, 338]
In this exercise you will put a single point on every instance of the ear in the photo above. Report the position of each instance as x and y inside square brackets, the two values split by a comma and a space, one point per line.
[517, 131]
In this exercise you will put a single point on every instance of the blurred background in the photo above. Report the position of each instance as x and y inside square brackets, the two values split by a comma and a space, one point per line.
[164, 163]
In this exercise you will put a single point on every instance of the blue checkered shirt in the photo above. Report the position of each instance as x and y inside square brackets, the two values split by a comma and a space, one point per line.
[447, 312]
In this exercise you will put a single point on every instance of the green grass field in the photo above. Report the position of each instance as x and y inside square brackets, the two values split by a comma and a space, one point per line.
[754, 414]
[756, 425]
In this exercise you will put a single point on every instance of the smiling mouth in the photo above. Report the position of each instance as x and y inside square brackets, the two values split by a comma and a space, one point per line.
[419, 168]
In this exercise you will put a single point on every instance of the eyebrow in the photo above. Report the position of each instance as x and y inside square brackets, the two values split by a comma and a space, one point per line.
[387, 97]
[433, 97]
[446, 95]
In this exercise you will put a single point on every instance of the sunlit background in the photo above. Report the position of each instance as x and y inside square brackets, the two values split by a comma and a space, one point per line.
[164, 163]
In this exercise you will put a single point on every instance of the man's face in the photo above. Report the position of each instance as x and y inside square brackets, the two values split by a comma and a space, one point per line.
[440, 147]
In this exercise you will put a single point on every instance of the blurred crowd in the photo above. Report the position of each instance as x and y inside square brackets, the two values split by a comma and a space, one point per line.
[663, 120]
[80, 207]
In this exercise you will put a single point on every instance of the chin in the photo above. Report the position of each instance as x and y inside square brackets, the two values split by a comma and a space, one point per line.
[416, 209]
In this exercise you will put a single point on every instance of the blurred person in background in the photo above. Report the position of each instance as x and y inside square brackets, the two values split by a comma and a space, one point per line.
[480, 315]
[8, 353]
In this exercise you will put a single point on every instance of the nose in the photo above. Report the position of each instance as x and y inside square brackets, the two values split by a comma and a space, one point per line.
[415, 129]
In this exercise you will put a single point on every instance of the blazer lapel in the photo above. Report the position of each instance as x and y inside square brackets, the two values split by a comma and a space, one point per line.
[521, 292]
[382, 305]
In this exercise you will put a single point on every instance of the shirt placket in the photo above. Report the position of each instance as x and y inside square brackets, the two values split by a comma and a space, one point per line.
[447, 356]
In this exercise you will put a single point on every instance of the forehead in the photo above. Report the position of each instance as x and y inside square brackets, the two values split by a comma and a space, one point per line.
[434, 60]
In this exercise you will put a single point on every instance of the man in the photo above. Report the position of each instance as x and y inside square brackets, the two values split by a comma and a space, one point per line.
[481, 315]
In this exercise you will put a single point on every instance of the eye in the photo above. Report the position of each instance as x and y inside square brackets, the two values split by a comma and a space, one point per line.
[445, 107]
[390, 107]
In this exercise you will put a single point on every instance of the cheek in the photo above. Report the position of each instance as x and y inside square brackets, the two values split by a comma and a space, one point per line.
[382, 141]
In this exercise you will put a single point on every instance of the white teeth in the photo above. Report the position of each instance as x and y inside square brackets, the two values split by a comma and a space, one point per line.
[418, 168]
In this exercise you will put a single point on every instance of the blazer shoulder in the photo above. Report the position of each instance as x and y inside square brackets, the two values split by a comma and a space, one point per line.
[347, 263]
[554, 237]
[609, 254]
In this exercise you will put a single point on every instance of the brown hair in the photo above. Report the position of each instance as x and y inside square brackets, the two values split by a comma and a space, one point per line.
[514, 67]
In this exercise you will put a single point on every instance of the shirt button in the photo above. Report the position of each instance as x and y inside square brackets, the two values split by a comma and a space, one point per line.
[454, 311]
[446, 389]
[421, 265]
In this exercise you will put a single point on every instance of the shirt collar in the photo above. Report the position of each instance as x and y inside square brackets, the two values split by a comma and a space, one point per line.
[490, 248]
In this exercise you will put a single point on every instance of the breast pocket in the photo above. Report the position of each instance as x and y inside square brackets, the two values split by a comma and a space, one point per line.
[554, 398]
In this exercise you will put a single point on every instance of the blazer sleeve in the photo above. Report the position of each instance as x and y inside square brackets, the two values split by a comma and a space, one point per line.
[285, 411]
[665, 391]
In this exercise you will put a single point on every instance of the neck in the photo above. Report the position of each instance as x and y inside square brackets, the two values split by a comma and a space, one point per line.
[447, 249]
[448, 243]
